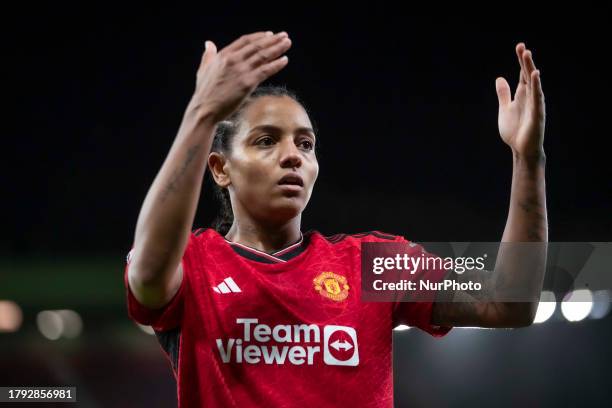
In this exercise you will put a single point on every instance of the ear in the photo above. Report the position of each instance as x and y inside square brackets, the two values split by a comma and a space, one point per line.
[217, 163]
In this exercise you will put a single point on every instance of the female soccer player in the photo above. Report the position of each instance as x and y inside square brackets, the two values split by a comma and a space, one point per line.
[257, 313]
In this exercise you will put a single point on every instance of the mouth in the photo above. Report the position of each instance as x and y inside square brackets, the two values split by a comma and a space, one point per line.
[291, 180]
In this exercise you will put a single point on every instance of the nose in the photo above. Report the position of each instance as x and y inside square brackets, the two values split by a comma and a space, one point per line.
[289, 154]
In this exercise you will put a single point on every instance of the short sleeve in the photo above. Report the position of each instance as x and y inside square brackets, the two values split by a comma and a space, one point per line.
[170, 315]
[418, 313]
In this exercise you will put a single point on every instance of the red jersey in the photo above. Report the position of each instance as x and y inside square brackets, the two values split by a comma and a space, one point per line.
[252, 329]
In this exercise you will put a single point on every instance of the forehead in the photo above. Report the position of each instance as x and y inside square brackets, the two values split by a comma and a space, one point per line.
[281, 111]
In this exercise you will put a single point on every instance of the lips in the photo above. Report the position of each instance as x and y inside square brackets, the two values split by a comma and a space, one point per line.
[292, 180]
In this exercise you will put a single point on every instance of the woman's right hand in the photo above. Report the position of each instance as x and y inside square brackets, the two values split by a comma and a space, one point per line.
[224, 79]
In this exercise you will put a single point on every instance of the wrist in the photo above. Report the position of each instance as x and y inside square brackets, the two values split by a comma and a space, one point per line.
[201, 114]
[533, 158]
[197, 123]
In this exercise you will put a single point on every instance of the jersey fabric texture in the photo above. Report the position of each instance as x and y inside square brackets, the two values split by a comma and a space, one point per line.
[251, 329]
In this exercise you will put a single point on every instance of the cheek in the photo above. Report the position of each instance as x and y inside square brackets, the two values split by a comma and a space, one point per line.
[313, 171]
[249, 174]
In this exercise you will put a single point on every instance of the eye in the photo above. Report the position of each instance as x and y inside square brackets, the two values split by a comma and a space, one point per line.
[306, 144]
[265, 141]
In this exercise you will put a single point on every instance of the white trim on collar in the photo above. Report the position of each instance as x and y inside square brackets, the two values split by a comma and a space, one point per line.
[273, 256]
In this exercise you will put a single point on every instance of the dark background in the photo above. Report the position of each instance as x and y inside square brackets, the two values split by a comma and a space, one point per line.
[406, 111]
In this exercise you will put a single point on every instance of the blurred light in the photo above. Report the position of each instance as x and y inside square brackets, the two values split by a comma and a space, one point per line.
[401, 327]
[73, 324]
[546, 307]
[50, 324]
[54, 324]
[577, 305]
[601, 304]
[146, 329]
[10, 316]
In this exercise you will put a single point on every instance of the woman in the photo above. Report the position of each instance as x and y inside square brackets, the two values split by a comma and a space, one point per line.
[255, 313]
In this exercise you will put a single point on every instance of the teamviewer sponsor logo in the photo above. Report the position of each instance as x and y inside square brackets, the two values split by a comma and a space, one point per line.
[227, 286]
[295, 344]
[340, 346]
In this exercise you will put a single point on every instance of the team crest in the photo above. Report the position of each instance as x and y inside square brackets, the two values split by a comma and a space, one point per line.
[331, 286]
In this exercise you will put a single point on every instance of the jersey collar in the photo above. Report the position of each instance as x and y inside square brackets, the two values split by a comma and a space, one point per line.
[281, 256]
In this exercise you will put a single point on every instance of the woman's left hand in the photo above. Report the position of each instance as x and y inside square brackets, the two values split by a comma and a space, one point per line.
[521, 121]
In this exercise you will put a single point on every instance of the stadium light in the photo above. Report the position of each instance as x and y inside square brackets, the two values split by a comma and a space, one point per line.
[577, 305]
[546, 307]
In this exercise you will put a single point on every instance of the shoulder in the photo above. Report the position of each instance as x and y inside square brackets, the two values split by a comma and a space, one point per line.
[205, 237]
[206, 232]
[203, 243]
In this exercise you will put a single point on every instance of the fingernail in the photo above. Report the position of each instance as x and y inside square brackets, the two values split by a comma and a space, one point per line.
[269, 33]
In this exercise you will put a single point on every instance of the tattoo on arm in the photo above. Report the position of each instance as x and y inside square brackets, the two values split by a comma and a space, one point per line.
[534, 209]
[466, 307]
[179, 172]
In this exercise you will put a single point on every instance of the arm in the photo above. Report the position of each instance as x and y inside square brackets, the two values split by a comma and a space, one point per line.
[224, 80]
[521, 124]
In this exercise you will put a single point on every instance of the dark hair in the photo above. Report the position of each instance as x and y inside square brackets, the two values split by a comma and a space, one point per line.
[222, 142]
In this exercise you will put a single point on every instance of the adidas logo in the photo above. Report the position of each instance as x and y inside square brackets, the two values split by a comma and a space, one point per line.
[227, 286]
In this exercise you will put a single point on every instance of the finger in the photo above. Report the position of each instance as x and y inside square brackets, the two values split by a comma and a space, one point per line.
[521, 91]
[270, 53]
[259, 45]
[246, 39]
[267, 70]
[520, 49]
[536, 91]
[209, 52]
[529, 64]
[503, 92]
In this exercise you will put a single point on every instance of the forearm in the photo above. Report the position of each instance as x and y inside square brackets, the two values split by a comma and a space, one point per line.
[520, 267]
[168, 211]
[527, 218]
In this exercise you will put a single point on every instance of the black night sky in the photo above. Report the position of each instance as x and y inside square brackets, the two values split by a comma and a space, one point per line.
[405, 107]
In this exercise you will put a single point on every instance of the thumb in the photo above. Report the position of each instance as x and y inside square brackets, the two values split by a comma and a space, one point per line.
[503, 91]
[209, 53]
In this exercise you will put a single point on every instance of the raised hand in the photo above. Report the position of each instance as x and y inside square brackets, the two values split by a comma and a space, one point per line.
[521, 120]
[224, 79]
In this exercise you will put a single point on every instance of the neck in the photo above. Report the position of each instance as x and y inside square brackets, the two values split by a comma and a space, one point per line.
[264, 237]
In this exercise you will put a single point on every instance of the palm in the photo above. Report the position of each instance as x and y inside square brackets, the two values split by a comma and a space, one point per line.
[521, 120]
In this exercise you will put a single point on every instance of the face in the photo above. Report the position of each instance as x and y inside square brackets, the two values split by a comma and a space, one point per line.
[272, 167]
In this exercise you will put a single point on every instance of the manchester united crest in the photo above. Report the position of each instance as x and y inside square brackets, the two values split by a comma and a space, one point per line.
[331, 286]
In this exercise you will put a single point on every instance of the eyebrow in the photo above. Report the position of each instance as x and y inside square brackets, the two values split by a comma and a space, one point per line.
[272, 128]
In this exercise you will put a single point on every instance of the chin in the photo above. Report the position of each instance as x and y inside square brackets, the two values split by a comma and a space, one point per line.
[287, 208]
